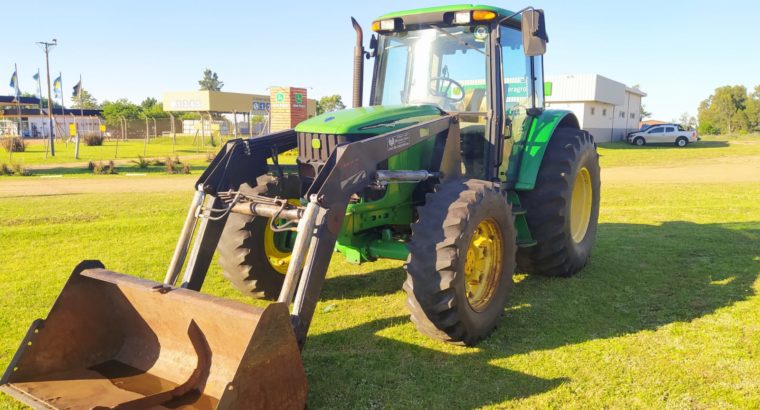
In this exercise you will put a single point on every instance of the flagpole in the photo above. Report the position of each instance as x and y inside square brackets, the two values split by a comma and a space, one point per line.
[18, 103]
[81, 116]
[63, 109]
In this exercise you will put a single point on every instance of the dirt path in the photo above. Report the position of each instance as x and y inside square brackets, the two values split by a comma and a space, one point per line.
[715, 170]
[14, 187]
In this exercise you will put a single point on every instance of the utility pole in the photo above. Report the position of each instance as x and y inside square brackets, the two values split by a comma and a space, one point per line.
[47, 46]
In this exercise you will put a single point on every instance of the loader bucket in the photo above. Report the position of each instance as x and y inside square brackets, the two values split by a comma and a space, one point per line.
[112, 341]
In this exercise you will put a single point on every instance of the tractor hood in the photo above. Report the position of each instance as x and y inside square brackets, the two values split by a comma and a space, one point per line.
[373, 120]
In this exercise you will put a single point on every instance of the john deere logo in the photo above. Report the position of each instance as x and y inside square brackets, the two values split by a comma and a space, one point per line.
[299, 98]
[316, 144]
[279, 97]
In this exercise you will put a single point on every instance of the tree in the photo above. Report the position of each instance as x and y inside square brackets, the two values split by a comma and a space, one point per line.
[85, 101]
[148, 102]
[724, 111]
[113, 111]
[210, 81]
[330, 103]
[643, 113]
[151, 108]
[753, 110]
[687, 121]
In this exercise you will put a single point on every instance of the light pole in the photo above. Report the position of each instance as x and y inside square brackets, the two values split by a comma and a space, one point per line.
[47, 46]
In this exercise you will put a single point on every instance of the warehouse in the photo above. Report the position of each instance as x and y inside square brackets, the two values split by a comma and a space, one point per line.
[606, 108]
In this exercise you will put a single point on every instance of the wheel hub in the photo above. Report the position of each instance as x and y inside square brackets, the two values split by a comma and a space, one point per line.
[580, 205]
[482, 267]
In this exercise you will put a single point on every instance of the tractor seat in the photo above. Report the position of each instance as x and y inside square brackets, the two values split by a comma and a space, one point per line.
[474, 101]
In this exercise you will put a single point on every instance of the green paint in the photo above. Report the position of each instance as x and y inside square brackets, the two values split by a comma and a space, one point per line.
[279, 97]
[533, 147]
[443, 9]
[299, 98]
[548, 88]
[372, 120]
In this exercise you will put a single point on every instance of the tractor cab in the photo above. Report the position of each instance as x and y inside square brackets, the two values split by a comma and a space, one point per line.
[470, 61]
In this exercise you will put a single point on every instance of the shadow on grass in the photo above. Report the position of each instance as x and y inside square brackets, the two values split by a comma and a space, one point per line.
[641, 277]
[654, 146]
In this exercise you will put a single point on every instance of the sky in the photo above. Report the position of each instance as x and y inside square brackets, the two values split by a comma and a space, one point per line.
[677, 51]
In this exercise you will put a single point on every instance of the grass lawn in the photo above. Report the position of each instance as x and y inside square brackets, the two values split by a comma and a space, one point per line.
[156, 148]
[617, 154]
[665, 315]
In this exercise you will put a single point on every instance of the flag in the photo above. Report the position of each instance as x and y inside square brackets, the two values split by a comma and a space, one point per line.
[57, 86]
[77, 89]
[36, 76]
[14, 82]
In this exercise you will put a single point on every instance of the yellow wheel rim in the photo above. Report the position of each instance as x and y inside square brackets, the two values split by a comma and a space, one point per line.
[482, 265]
[278, 258]
[580, 206]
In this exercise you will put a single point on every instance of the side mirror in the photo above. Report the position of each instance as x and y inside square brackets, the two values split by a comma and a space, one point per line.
[534, 33]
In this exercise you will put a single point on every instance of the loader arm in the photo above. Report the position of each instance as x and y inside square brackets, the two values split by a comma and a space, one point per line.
[349, 169]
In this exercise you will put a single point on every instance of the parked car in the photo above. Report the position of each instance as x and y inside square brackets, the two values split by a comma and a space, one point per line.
[664, 133]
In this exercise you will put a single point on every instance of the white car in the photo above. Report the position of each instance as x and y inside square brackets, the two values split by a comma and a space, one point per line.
[664, 133]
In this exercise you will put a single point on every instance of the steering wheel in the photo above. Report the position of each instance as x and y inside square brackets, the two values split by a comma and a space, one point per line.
[438, 89]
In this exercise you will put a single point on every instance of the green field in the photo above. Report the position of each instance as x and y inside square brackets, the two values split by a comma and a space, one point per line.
[615, 154]
[665, 315]
[112, 149]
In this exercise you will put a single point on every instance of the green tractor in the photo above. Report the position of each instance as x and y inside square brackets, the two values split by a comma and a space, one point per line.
[454, 167]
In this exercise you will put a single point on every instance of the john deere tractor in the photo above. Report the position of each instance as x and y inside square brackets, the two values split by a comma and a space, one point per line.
[455, 167]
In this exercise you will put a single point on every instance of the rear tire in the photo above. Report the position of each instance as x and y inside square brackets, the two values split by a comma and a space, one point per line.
[461, 260]
[681, 142]
[242, 249]
[562, 219]
[639, 141]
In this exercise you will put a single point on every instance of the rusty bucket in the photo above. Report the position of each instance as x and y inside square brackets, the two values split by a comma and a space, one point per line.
[113, 341]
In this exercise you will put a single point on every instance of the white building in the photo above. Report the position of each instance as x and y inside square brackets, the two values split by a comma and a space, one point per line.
[605, 108]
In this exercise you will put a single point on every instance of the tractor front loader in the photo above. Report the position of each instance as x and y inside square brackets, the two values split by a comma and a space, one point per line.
[455, 168]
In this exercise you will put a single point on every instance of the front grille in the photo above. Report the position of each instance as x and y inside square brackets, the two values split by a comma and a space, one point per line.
[327, 144]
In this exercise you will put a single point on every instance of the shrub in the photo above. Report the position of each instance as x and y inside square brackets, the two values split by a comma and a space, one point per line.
[158, 162]
[91, 166]
[186, 168]
[141, 162]
[14, 144]
[93, 140]
[103, 168]
[5, 169]
[209, 156]
[171, 166]
[21, 170]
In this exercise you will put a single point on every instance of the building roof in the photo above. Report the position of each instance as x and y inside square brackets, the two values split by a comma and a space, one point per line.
[11, 99]
[588, 87]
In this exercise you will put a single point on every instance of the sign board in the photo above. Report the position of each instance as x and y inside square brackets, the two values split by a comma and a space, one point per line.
[261, 106]
[102, 128]
[73, 129]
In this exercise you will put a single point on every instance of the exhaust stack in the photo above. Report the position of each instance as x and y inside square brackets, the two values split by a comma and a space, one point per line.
[358, 64]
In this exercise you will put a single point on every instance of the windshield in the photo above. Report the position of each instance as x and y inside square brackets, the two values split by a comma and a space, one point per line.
[445, 66]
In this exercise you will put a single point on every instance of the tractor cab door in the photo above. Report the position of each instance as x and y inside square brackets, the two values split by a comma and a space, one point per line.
[522, 93]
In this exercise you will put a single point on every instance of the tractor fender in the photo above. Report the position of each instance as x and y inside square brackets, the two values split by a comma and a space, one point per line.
[536, 141]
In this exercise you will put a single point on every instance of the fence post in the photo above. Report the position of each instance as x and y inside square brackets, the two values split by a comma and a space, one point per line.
[145, 145]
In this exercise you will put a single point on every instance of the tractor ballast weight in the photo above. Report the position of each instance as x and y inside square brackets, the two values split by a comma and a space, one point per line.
[465, 186]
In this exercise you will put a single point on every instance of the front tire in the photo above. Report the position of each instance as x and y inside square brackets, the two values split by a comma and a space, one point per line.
[639, 141]
[253, 257]
[461, 260]
[562, 210]
[681, 142]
